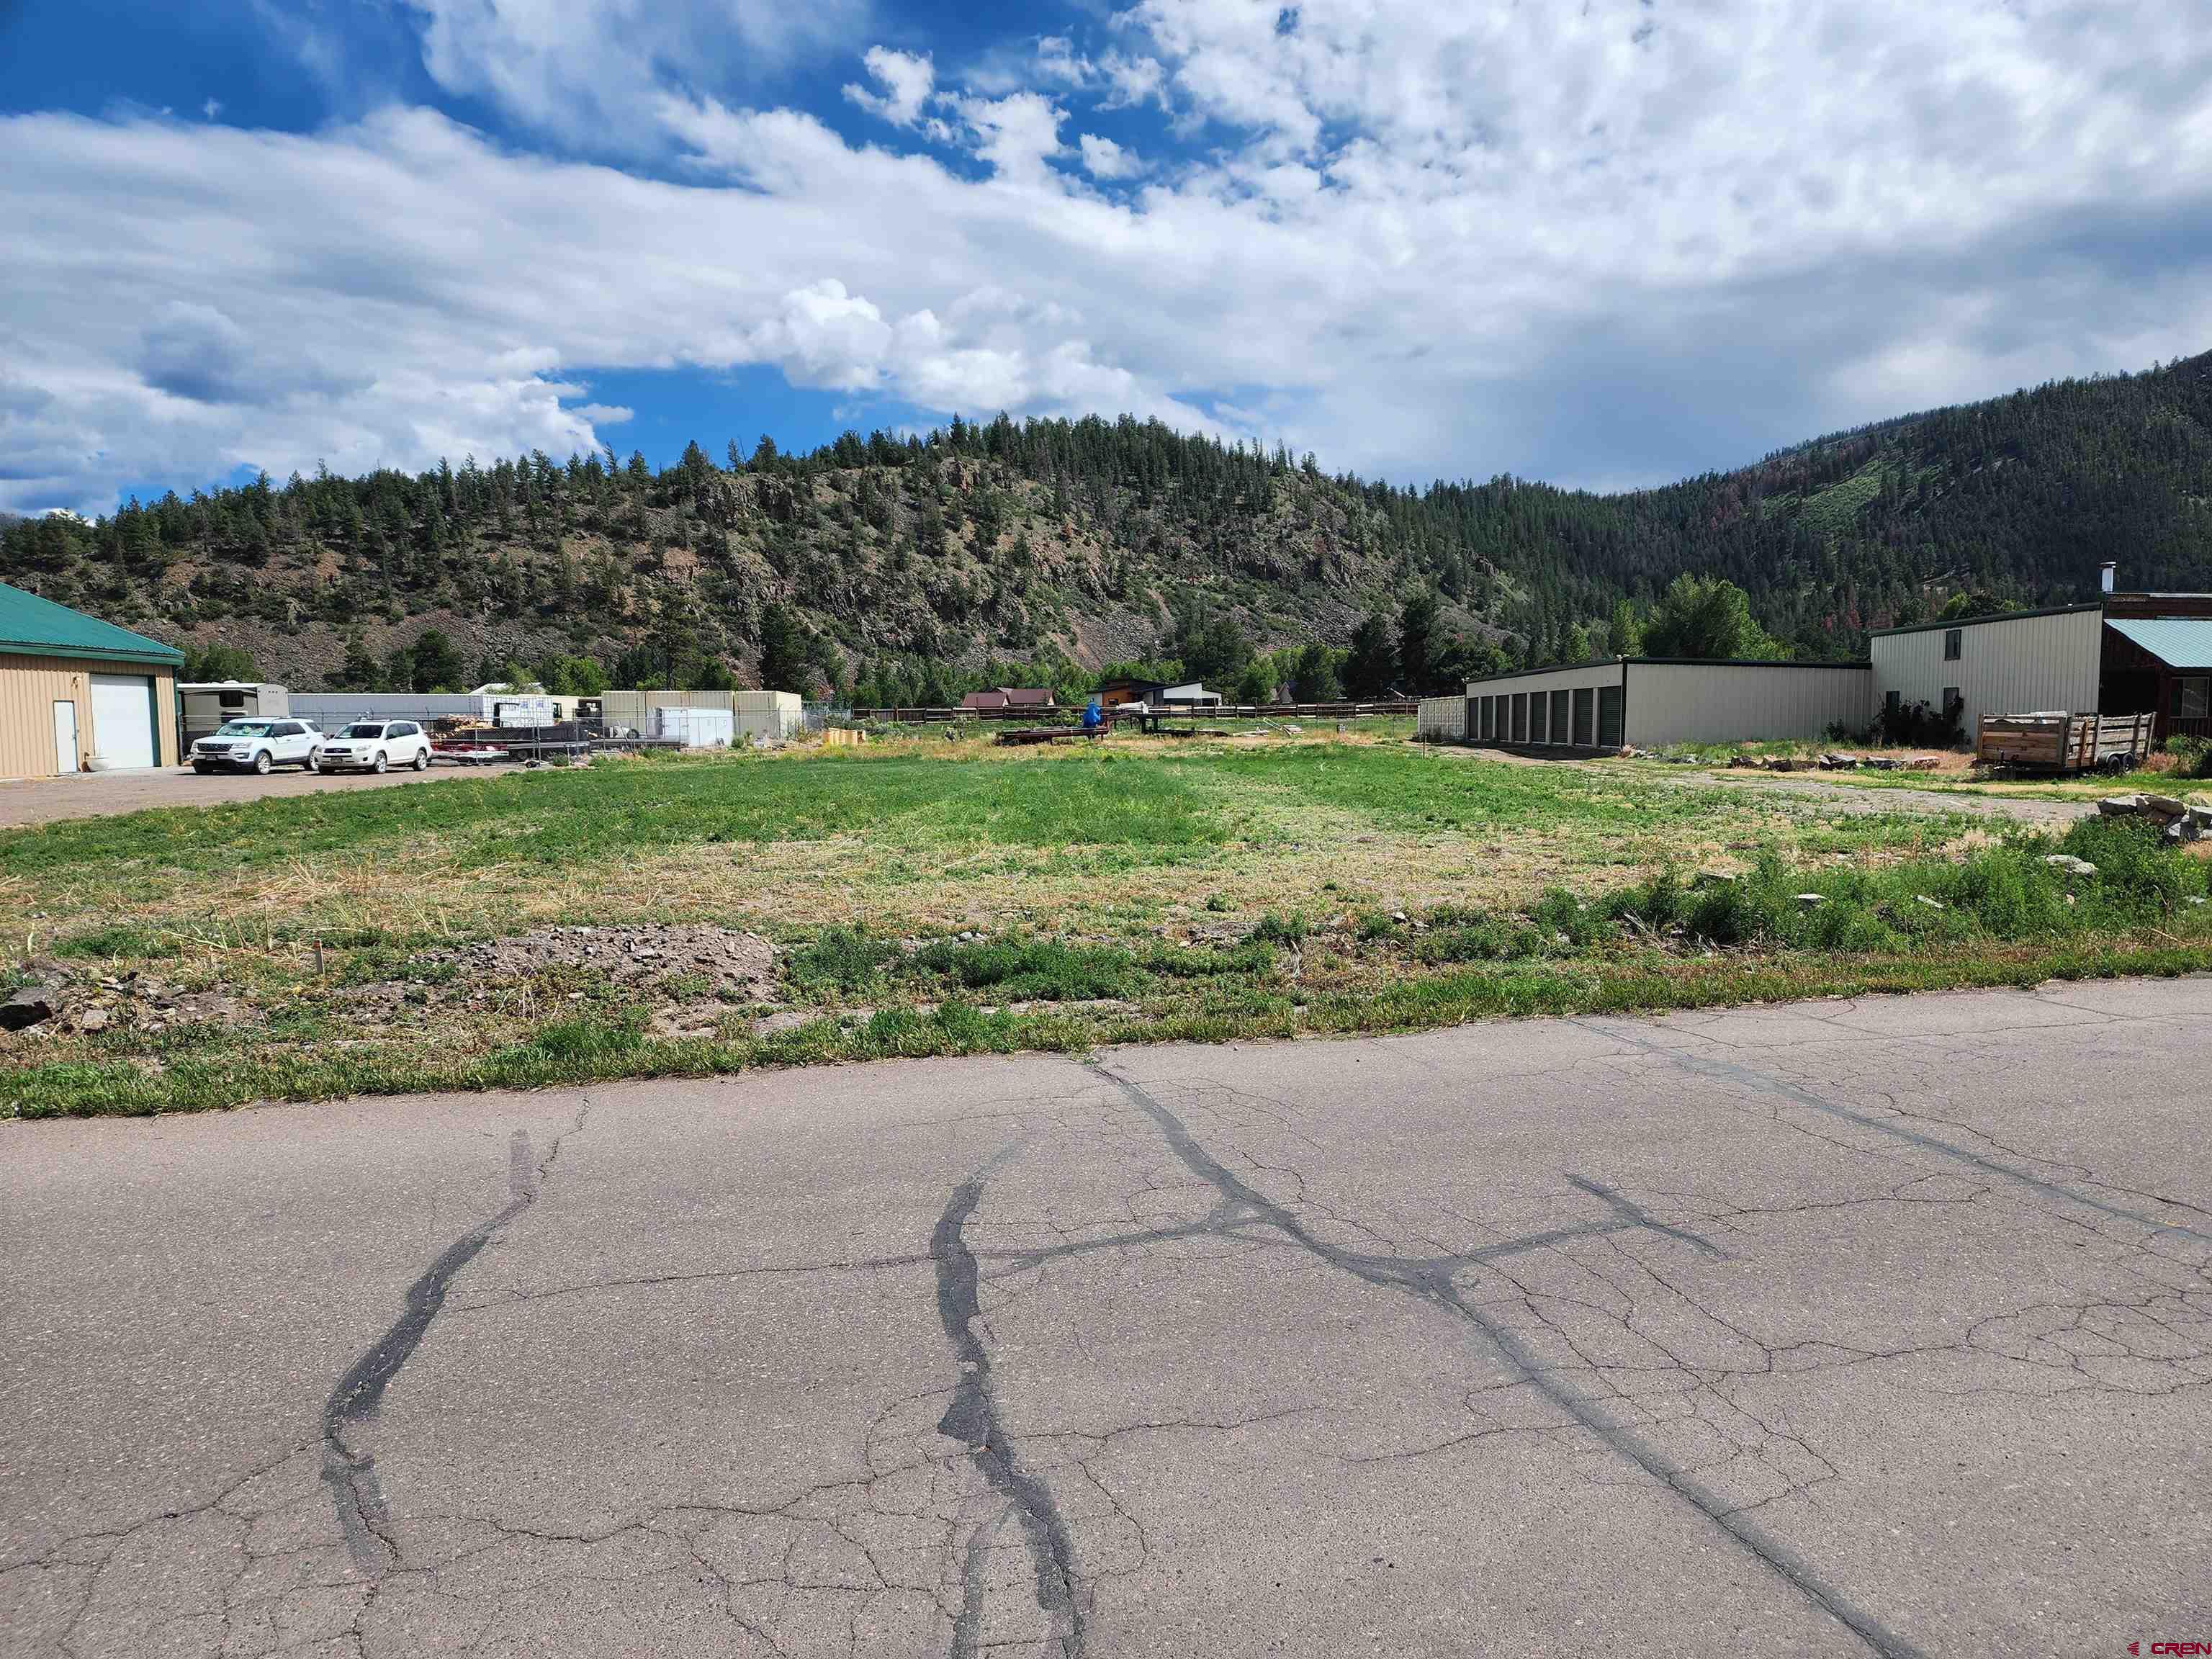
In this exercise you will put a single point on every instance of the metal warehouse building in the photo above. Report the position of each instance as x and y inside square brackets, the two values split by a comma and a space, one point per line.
[2028, 662]
[1650, 700]
[2126, 653]
[74, 691]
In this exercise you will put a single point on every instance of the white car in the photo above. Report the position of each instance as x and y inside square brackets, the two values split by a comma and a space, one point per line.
[377, 746]
[256, 745]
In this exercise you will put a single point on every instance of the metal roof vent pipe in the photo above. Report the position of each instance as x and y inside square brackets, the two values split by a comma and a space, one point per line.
[2106, 572]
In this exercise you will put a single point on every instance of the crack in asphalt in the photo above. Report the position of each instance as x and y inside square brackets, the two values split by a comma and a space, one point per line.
[972, 1418]
[1766, 1083]
[356, 1493]
[1610, 1353]
[1433, 1281]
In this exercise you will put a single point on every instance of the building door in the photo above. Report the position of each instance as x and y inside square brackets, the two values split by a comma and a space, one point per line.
[1609, 717]
[123, 719]
[64, 736]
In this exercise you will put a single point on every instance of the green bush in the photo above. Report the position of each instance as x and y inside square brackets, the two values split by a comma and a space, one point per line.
[1033, 969]
[2140, 876]
[1559, 912]
[841, 959]
[1488, 939]
[1286, 929]
[1657, 903]
[2194, 755]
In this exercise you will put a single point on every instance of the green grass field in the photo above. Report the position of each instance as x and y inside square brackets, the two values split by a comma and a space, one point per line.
[927, 895]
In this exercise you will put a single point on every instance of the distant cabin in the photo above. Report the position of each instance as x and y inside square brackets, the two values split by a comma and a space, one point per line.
[1003, 698]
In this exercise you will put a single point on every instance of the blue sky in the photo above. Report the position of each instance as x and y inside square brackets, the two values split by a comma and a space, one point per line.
[1607, 244]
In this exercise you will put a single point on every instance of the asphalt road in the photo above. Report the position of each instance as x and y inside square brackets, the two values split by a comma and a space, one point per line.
[104, 794]
[1879, 1328]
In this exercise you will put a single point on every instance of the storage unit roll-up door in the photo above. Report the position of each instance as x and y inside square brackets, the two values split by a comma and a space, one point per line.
[123, 719]
[1609, 717]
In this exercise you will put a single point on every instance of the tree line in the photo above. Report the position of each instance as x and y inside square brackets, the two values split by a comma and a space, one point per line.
[931, 562]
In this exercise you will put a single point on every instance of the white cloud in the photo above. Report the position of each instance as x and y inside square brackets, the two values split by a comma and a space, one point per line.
[1133, 80]
[1016, 134]
[907, 81]
[1104, 159]
[1416, 239]
[588, 71]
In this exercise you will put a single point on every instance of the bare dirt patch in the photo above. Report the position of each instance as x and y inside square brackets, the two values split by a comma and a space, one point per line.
[735, 965]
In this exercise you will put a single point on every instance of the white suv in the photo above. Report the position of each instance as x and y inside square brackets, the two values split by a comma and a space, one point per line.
[377, 746]
[256, 745]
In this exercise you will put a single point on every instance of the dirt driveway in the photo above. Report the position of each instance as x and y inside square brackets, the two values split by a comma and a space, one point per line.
[104, 794]
[1857, 799]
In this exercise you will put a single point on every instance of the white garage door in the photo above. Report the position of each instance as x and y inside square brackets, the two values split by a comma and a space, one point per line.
[123, 719]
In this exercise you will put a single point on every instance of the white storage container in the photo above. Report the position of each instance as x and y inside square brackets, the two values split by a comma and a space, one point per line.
[695, 728]
[512, 709]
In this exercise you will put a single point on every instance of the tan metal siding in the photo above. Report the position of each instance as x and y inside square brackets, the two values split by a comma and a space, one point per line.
[1736, 702]
[635, 709]
[31, 686]
[2015, 665]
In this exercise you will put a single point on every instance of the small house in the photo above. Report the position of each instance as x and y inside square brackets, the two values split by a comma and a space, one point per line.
[1124, 689]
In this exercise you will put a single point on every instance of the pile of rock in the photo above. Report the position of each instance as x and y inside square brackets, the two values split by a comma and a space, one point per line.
[2181, 820]
[57, 1002]
[1837, 760]
[1847, 762]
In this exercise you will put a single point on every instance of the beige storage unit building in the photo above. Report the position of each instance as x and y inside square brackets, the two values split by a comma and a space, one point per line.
[1650, 701]
[2029, 662]
[767, 715]
[1746, 702]
[1548, 707]
[77, 693]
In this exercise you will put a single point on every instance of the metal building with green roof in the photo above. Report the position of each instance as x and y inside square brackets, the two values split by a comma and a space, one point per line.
[78, 694]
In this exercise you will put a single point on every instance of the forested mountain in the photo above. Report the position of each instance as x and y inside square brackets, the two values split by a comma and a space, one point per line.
[912, 565]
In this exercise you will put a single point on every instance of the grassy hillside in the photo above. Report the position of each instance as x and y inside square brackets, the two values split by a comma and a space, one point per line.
[1096, 541]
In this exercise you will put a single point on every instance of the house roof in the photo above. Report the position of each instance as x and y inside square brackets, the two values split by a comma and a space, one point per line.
[984, 700]
[2176, 642]
[33, 627]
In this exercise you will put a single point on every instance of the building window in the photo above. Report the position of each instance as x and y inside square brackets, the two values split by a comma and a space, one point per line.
[2190, 698]
[1953, 638]
[1891, 704]
[1952, 700]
